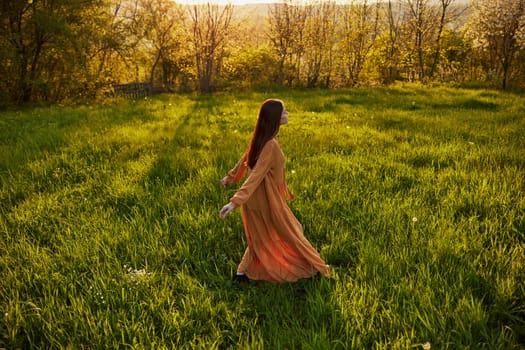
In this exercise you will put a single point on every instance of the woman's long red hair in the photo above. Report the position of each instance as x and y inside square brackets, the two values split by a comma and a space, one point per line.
[266, 128]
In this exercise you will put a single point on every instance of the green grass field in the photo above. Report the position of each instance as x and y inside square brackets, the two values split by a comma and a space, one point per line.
[111, 238]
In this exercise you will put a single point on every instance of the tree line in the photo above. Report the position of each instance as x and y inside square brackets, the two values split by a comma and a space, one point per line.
[53, 50]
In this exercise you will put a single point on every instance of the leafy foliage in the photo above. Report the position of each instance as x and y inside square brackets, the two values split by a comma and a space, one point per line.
[71, 50]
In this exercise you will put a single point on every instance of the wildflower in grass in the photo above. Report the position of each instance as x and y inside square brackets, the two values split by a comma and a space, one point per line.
[414, 219]
[137, 277]
[426, 346]
[98, 298]
[293, 171]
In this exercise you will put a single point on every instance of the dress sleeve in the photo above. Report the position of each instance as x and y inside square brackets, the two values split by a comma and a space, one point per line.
[236, 174]
[255, 176]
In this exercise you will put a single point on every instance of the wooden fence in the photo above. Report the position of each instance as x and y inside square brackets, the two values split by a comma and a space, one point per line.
[133, 90]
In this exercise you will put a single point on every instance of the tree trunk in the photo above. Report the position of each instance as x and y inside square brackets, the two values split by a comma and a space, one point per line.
[437, 51]
[154, 66]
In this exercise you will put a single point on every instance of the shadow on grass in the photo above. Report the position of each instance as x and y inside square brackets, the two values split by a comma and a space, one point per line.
[303, 312]
[407, 99]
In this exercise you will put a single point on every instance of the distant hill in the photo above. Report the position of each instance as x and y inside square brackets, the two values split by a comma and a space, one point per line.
[261, 10]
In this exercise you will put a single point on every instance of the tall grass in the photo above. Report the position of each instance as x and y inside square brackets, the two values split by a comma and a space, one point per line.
[110, 235]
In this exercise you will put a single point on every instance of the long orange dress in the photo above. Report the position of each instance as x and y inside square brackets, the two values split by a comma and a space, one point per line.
[277, 248]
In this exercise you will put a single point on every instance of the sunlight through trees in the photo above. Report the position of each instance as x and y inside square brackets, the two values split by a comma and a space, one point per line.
[52, 51]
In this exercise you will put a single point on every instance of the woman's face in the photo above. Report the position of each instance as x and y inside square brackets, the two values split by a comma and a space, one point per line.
[284, 116]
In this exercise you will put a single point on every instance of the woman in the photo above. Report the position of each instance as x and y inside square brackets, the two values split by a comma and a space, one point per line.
[277, 249]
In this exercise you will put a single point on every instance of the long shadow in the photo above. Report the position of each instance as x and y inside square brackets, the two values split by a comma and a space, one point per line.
[303, 312]
[408, 99]
[45, 133]
[175, 192]
[164, 168]
[163, 171]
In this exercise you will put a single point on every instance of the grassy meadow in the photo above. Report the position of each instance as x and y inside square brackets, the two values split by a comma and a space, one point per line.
[110, 235]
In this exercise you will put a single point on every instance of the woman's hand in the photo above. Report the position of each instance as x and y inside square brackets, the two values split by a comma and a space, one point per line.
[224, 181]
[228, 208]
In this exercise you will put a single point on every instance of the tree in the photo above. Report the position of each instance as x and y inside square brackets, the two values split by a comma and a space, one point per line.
[117, 42]
[25, 32]
[15, 51]
[319, 42]
[445, 4]
[159, 21]
[360, 29]
[287, 34]
[47, 46]
[281, 34]
[455, 56]
[421, 24]
[496, 28]
[251, 67]
[389, 48]
[210, 24]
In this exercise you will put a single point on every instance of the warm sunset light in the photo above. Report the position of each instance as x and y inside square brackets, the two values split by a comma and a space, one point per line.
[269, 174]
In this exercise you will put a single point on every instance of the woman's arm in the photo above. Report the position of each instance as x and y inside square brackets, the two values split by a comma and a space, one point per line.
[255, 177]
[235, 174]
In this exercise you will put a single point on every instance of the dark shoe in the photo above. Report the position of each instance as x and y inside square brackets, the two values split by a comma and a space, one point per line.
[240, 278]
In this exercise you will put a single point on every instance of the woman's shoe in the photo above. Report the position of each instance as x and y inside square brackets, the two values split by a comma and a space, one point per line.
[240, 278]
